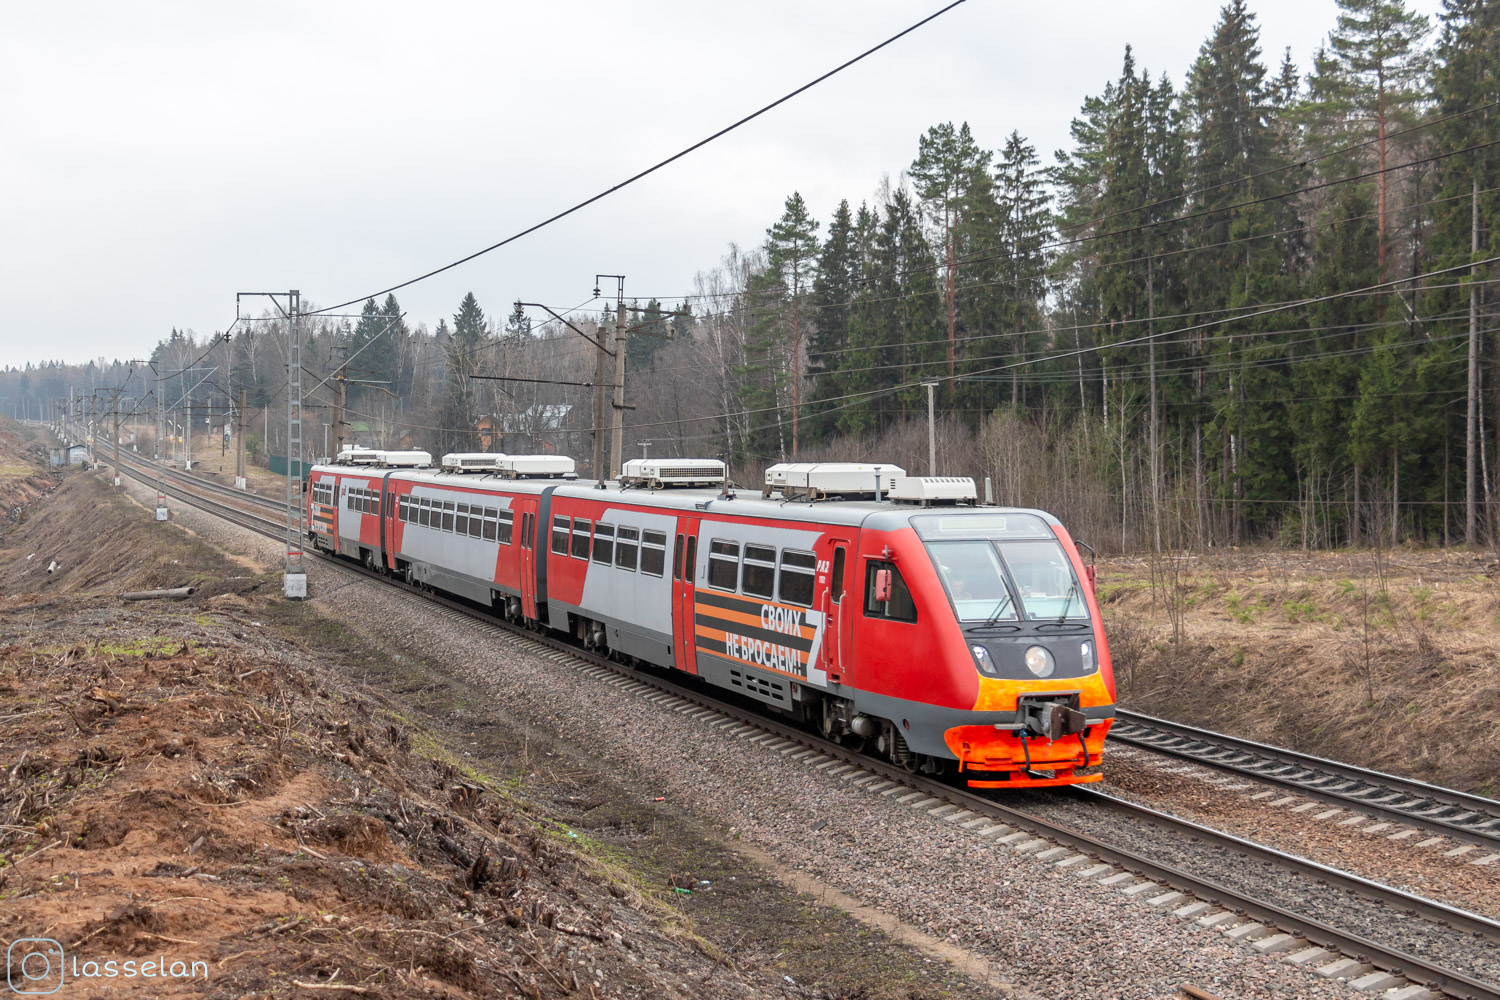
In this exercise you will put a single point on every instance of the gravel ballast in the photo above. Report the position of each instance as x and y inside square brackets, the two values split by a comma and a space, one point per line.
[1036, 924]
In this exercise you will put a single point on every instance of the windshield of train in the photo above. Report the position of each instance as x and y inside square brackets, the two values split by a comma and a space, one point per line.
[1015, 568]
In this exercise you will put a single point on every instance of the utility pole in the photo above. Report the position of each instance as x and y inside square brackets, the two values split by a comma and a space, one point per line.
[294, 579]
[617, 417]
[931, 429]
[116, 403]
[617, 421]
[239, 443]
[340, 399]
[294, 574]
[1155, 450]
[1471, 478]
[601, 361]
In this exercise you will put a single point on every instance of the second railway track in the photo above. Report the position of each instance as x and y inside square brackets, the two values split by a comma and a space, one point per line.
[1027, 831]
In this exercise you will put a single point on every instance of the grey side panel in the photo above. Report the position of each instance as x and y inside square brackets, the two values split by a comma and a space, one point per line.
[762, 685]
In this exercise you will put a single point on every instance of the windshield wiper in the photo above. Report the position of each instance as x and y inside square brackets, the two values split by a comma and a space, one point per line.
[1068, 603]
[1001, 606]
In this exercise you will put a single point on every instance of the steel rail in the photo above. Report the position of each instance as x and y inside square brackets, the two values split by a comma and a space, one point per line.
[1453, 983]
[1472, 819]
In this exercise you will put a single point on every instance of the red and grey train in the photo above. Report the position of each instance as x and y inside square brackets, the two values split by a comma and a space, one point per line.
[880, 608]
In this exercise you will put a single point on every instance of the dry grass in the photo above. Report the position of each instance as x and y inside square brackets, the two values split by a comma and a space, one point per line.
[1387, 660]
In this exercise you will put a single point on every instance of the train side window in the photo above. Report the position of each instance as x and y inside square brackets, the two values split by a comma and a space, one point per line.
[760, 571]
[448, 506]
[677, 559]
[581, 529]
[797, 572]
[654, 552]
[506, 526]
[604, 543]
[531, 531]
[900, 607]
[401, 511]
[723, 564]
[690, 560]
[561, 526]
[461, 519]
[525, 526]
[626, 547]
[837, 585]
[390, 501]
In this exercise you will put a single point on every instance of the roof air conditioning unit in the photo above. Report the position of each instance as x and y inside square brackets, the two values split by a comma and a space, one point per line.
[775, 479]
[355, 455]
[659, 473]
[927, 490]
[840, 479]
[472, 461]
[535, 466]
[405, 459]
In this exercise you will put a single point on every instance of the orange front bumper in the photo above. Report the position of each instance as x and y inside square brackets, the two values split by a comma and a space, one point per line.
[998, 758]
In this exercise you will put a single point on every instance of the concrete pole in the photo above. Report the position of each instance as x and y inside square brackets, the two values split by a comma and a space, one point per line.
[601, 376]
[239, 443]
[931, 429]
[117, 434]
[1471, 468]
[617, 425]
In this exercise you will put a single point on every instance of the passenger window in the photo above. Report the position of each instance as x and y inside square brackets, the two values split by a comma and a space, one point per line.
[797, 574]
[448, 515]
[690, 560]
[677, 559]
[507, 523]
[489, 530]
[478, 523]
[760, 571]
[581, 529]
[461, 521]
[560, 528]
[654, 552]
[625, 547]
[723, 564]
[900, 607]
[604, 543]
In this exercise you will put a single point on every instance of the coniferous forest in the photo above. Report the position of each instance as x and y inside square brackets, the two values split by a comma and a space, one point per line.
[1251, 302]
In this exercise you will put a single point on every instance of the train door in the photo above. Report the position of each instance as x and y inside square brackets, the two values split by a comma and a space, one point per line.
[525, 508]
[835, 605]
[684, 579]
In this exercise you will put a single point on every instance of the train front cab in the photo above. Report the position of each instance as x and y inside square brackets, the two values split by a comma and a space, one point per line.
[1012, 674]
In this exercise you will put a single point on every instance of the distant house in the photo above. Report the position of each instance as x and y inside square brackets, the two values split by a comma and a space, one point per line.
[540, 428]
[77, 454]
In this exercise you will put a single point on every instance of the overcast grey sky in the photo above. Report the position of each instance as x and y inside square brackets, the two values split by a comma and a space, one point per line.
[159, 157]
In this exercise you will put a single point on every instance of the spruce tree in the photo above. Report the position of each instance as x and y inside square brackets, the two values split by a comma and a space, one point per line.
[792, 252]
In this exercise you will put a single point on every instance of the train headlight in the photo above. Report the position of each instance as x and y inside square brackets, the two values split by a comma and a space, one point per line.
[1040, 662]
[1087, 649]
[984, 661]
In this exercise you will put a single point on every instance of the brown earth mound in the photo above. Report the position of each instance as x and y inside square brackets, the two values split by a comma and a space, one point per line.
[192, 806]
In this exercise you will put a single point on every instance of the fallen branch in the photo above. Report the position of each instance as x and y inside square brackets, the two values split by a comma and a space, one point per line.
[329, 986]
[157, 595]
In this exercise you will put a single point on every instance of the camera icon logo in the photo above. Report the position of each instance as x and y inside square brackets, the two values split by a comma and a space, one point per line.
[34, 966]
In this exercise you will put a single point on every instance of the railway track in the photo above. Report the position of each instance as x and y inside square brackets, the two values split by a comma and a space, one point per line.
[1463, 817]
[1266, 925]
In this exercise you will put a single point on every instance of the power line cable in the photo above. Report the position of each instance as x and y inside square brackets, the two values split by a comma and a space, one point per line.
[652, 169]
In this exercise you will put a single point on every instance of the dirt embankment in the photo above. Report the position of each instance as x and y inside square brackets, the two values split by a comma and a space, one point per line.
[204, 794]
[1385, 659]
[24, 469]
